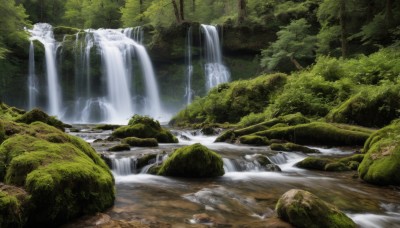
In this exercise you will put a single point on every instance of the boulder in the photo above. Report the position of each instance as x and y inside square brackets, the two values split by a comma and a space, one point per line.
[254, 140]
[38, 115]
[138, 142]
[292, 147]
[13, 204]
[304, 210]
[193, 161]
[119, 147]
[331, 164]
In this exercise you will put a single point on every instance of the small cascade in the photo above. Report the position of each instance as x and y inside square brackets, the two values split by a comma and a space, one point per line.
[44, 33]
[215, 71]
[189, 67]
[32, 80]
[247, 164]
[123, 166]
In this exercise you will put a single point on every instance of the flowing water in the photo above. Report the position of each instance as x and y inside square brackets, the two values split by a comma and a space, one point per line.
[246, 195]
[215, 71]
[189, 67]
[32, 80]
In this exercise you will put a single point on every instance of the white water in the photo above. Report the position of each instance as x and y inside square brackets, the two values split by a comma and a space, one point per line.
[215, 71]
[123, 166]
[189, 67]
[32, 80]
[44, 33]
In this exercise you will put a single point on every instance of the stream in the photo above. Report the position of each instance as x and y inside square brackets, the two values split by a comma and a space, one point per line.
[246, 195]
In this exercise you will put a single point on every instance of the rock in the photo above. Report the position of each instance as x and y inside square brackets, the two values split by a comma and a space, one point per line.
[106, 127]
[145, 127]
[254, 140]
[138, 142]
[208, 130]
[331, 164]
[63, 175]
[292, 147]
[193, 161]
[304, 210]
[203, 218]
[314, 163]
[119, 147]
[184, 137]
[381, 164]
[38, 115]
[145, 160]
[266, 163]
[319, 133]
[13, 204]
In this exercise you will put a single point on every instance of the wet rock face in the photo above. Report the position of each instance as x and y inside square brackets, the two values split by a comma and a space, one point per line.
[305, 210]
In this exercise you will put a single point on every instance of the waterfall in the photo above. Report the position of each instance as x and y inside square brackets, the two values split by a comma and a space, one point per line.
[32, 80]
[189, 67]
[215, 71]
[123, 166]
[44, 33]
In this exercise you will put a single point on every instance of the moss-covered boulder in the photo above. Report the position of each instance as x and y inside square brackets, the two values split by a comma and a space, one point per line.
[2, 133]
[319, 133]
[331, 164]
[292, 147]
[145, 160]
[145, 127]
[8, 112]
[193, 161]
[62, 174]
[13, 206]
[373, 107]
[304, 210]
[381, 164]
[106, 127]
[119, 147]
[254, 140]
[38, 115]
[138, 142]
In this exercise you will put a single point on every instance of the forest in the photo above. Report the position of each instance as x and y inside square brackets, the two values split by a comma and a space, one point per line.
[200, 113]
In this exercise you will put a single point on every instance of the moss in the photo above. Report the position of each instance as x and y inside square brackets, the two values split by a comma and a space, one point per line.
[254, 140]
[336, 166]
[138, 142]
[193, 161]
[2, 133]
[38, 115]
[314, 163]
[9, 113]
[381, 164]
[292, 147]
[304, 210]
[141, 130]
[154, 169]
[105, 127]
[13, 206]
[145, 160]
[119, 147]
[208, 130]
[64, 30]
[317, 133]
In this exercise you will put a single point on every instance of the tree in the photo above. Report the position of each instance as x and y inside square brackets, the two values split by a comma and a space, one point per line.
[48, 11]
[133, 13]
[294, 42]
[242, 11]
[102, 13]
[176, 12]
[73, 13]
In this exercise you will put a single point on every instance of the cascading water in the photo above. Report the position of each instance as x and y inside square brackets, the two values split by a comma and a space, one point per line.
[215, 71]
[44, 33]
[189, 67]
[32, 80]
[123, 166]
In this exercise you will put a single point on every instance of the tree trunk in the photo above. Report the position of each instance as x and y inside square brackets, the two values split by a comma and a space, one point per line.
[176, 11]
[342, 20]
[141, 6]
[182, 9]
[241, 11]
[297, 64]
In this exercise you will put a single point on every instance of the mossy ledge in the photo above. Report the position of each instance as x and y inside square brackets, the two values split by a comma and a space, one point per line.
[63, 176]
[381, 165]
[331, 164]
[138, 142]
[304, 210]
[195, 161]
[145, 127]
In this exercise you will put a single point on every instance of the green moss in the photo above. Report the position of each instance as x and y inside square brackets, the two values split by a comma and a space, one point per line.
[317, 133]
[9, 113]
[332, 164]
[119, 147]
[254, 140]
[13, 203]
[314, 163]
[105, 127]
[2, 133]
[381, 164]
[138, 142]
[145, 160]
[193, 161]
[292, 147]
[38, 115]
[154, 169]
[304, 210]
[337, 166]
[141, 130]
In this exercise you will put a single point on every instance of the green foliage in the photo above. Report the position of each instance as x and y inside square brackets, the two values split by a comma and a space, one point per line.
[294, 42]
[254, 140]
[13, 201]
[146, 120]
[305, 210]
[193, 161]
[381, 164]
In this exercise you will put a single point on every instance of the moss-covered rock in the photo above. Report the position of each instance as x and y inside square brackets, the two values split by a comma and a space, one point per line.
[145, 160]
[305, 210]
[138, 142]
[13, 206]
[292, 147]
[106, 127]
[119, 147]
[63, 175]
[145, 127]
[2, 133]
[314, 163]
[193, 161]
[254, 140]
[318, 133]
[331, 164]
[8, 112]
[38, 115]
[381, 164]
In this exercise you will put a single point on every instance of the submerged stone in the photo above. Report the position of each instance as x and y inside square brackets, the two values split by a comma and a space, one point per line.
[304, 210]
[193, 161]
